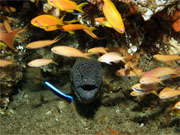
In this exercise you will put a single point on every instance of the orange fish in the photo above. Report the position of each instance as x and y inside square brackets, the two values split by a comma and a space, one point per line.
[68, 51]
[102, 21]
[129, 65]
[176, 25]
[42, 43]
[67, 5]
[45, 21]
[161, 71]
[4, 63]
[150, 80]
[166, 58]
[70, 27]
[177, 105]
[97, 50]
[143, 88]
[7, 26]
[8, 38]
[168, 93]
[7, 8]
[132, 66]
[176, 108]
[56, 27]
[138, 93]
[89, 31]
[113, 16]
[40, 62]
[111, 57]
[129, 73]
[135, 93]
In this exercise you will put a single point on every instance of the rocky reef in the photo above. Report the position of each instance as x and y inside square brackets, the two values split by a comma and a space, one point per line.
[150, 29]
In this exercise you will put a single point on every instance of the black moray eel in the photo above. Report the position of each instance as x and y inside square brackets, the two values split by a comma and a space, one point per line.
[86, 78]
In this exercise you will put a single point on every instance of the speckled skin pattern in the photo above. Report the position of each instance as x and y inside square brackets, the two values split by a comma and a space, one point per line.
[87, 78]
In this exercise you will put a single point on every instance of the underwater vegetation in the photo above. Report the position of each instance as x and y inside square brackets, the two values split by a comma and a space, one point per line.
[133, 40]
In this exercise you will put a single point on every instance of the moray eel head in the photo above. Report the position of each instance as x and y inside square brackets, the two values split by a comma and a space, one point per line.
[87, 77]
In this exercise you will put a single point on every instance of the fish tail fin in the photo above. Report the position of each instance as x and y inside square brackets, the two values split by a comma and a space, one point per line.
[135, 71]
[124, 19]
[106, 23]
[80, 6]
[155, 93]
[177, 71]
[124, 60]
[89, 31]
[70, 22]
[87, 56]
[71, 32]
[161, 83]
[56, 39]
[19, 31]
[55, 62]
[61, 20]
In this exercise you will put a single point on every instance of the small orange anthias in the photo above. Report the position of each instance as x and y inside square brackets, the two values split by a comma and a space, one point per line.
[4, 63]
[44, 21]
[42, 43]
[166, 58]
[113, 16]
[40, 62]
[67, 5]
[158, 74]
[176, 108]
[169, 93]
[68, 51]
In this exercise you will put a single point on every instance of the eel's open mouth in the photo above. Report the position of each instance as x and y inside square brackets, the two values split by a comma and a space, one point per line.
[88, 87]
[87, 93]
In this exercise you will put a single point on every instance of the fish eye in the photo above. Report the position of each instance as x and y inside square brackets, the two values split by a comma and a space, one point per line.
[121, 29]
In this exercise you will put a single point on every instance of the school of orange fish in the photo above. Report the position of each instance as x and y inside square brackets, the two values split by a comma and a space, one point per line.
[149, 80]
